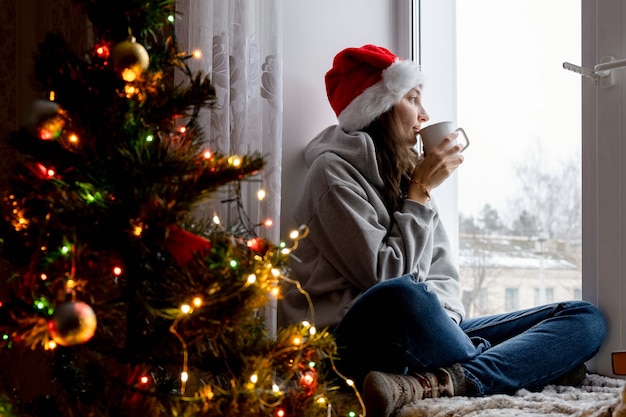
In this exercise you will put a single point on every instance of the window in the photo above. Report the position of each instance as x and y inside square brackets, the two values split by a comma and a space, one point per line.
[518, 192]
[511, 299]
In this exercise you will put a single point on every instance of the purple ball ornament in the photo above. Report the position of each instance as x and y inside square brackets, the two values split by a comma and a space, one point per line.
[72, 323]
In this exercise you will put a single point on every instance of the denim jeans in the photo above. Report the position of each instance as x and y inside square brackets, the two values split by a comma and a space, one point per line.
[399, 326]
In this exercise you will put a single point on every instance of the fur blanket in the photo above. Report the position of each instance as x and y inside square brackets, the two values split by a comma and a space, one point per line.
[598, 396]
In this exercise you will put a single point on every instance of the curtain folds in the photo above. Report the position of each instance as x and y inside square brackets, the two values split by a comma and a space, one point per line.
[241, 42]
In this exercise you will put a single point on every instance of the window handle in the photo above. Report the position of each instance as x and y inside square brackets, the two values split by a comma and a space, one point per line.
[601, 73]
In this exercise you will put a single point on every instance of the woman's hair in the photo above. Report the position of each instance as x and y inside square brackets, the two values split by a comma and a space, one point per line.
[395, 160]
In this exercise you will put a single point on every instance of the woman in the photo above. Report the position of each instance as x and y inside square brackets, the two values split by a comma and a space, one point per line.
[378, 265]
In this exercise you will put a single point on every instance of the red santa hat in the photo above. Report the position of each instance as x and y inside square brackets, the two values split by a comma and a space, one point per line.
[365, 82]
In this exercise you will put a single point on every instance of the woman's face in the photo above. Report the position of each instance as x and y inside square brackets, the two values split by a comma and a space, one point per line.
[411, 115]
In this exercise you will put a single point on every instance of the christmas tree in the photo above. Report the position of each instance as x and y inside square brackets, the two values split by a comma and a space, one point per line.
[115, 300]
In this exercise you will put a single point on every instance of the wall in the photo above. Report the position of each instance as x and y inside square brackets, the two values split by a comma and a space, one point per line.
[314, 31]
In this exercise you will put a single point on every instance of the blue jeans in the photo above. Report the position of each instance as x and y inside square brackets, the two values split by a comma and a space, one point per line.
[399, 326]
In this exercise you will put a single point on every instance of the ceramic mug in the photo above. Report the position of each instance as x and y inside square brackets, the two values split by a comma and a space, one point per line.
[433, 134]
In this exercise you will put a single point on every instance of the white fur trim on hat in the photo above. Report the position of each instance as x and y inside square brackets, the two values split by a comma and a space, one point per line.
[397, 80]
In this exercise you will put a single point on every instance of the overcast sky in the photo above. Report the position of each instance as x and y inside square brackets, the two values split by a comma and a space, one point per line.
[514, 96]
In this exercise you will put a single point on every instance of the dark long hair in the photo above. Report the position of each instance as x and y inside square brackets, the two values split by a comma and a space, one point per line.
[395, 160]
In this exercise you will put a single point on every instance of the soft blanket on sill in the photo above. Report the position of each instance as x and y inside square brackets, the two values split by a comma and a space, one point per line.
[598, 396]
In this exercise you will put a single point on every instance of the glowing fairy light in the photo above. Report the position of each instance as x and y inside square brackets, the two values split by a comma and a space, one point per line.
[234, 161]
[73, 138]
[349, 382]
[251, 279]
[137, 230]
[43, 277]
[65, 250]
[207, 155]
[197, 54]
[275, 388]
[275, 272]
[254, 378]
[216, 219]
[268, 222]
[233, 263]
[144, 379]
[296, 341]
[184, 376]
[149, 138]
[294, 234]
[197, 302]
[117, 271]
[275, 291]
[261, 194]
[312, 330]
[170, 18]
[185, 308]
[51, 345]
[182, 129]
[281, 413]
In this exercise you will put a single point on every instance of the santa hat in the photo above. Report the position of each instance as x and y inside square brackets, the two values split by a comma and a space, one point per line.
[365, 82]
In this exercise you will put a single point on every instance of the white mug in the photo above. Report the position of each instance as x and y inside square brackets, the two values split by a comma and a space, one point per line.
[433, 134]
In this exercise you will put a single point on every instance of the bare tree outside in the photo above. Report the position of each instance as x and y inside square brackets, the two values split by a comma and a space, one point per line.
[539, 231]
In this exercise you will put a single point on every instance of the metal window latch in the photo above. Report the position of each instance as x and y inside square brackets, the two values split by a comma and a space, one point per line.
[602, 73]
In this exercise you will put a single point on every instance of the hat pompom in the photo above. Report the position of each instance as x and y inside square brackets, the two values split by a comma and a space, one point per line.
[366, 82]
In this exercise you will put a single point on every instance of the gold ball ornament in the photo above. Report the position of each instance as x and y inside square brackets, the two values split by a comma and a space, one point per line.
[129, 57]
[72, 323]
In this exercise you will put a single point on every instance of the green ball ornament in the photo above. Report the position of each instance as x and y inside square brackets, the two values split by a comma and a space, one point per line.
[131, 56]
[72, 323]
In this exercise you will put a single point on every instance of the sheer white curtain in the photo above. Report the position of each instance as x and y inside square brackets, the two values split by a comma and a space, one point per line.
[241, 43]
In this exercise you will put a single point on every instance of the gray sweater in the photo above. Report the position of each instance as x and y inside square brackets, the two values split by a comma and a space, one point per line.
[353, 243]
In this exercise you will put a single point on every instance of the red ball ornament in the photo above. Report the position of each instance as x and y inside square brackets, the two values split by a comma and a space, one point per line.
[73, 323]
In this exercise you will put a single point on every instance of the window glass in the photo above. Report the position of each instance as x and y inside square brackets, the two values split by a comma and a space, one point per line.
[520, 185]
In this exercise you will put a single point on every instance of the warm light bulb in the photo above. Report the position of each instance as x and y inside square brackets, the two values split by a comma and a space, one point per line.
[216, 219]
[251, 279]
[207, 154]
[129, 75]
[280, 413]
[294, 234]
[52, 96]
[43, 277]
[73, 138]
[254, 378]
[185, 308]
[275, 272]
[144, 379]
[184, 376]
[260, 194]
[275, 388]
[349, 382]
[296, 341]
[117, 271]
[197, 54]
[138, 230]
[268, 222]
[197, 301]
[51, 345]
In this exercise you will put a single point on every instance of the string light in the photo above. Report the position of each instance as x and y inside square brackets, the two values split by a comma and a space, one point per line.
[197, 54]
[117, 271]
[261, 194]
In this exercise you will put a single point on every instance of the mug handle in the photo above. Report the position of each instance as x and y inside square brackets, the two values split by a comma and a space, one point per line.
[462, 131]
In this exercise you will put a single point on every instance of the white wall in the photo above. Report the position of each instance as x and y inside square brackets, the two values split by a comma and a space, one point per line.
[313, 32]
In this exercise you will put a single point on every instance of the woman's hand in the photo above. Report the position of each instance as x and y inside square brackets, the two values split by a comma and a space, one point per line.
[434, 168]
